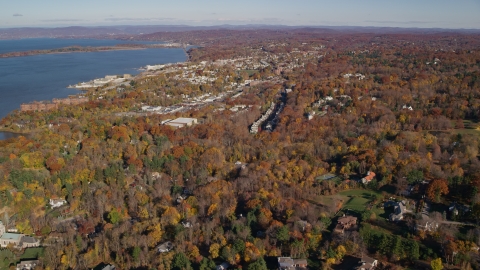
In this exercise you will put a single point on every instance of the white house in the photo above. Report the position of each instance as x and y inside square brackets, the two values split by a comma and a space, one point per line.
[367, 263]
[57, 202]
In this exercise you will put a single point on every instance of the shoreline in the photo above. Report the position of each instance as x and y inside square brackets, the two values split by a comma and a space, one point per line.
[81, 91]
[79, 49]
[33, 53]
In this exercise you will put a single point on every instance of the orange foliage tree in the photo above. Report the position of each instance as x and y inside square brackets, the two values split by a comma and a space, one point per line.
[437, 188]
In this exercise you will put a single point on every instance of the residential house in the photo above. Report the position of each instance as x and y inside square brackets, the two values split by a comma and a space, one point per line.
[287, 263]
[399, 210]
[223, 266]
[186, 224]
[54, 203]
[345, 223]
[165, 247]
[104, 266]
[456, 208]
[368, 178]
[367, 263]
[27, 265]
[426, 225]
[181, 198]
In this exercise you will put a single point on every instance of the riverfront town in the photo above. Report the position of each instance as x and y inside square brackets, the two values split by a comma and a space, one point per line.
[292, 149]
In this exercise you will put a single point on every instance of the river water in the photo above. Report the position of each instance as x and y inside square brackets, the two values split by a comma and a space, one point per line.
[7, 135]
[44, 77]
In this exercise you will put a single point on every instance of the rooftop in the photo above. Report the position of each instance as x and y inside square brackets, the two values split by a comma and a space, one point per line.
[29, 239]
[11, 236]
[183, 120]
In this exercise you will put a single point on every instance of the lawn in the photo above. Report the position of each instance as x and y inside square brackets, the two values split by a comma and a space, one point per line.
[32, 253]
[357, 200]
[358, 204]
[360, 192]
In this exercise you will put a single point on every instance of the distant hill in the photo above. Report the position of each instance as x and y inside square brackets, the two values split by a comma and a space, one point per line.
[124, 31]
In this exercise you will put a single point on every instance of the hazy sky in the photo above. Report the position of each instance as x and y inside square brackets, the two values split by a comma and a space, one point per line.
[398, 13]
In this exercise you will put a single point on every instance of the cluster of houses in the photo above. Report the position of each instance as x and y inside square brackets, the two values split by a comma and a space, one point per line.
[102, 81]
[54, 104]
[359, 76]
[272, 123]
[256, 125]
[324, 103]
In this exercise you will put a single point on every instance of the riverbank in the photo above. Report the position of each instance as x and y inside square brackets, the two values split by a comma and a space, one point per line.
[46, 77]
[8, 134]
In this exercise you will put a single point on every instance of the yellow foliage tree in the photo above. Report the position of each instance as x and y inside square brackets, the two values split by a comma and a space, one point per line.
[214, 250]
[154, 234]
[341, 251]
[171, 216]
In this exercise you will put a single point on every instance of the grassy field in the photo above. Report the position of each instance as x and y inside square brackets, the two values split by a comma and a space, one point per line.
[32, 253]
[357, 203]
[360, 200]
[357, 200]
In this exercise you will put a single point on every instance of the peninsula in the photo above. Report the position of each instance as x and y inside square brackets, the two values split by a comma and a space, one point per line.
[76, 49]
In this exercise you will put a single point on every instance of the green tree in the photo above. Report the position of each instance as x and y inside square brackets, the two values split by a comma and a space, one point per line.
[436, 264]
[414, 176]
[181, 262]
[136, 253]
[331, 253]
[114, 216]
[259, 264]
[282, 234]
[79, 242]
[326, 221]
[413, 250]
[239, 245]
[396, 248]
[383, 244]
[207, 264]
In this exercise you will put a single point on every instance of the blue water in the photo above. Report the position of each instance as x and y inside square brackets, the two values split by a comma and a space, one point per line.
[44, 77]
[7, 135]
[52, 43]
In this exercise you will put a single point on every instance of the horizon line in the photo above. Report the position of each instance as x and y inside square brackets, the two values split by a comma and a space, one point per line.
[238, 25]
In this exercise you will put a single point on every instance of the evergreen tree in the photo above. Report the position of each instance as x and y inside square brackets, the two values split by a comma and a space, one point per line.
[207, 264]
[181, 262]
[396, 247]
[136, 253]
[259, 264]
[282, 234]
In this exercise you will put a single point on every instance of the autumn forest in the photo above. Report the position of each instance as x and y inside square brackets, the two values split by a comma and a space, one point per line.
[380, 127]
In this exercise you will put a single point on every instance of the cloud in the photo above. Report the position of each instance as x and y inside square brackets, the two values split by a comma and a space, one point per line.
[17, 15]
[63, 20]
[400, 22]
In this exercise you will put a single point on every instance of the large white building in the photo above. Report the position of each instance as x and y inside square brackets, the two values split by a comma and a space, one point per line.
[16, 239]
[181, 122]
